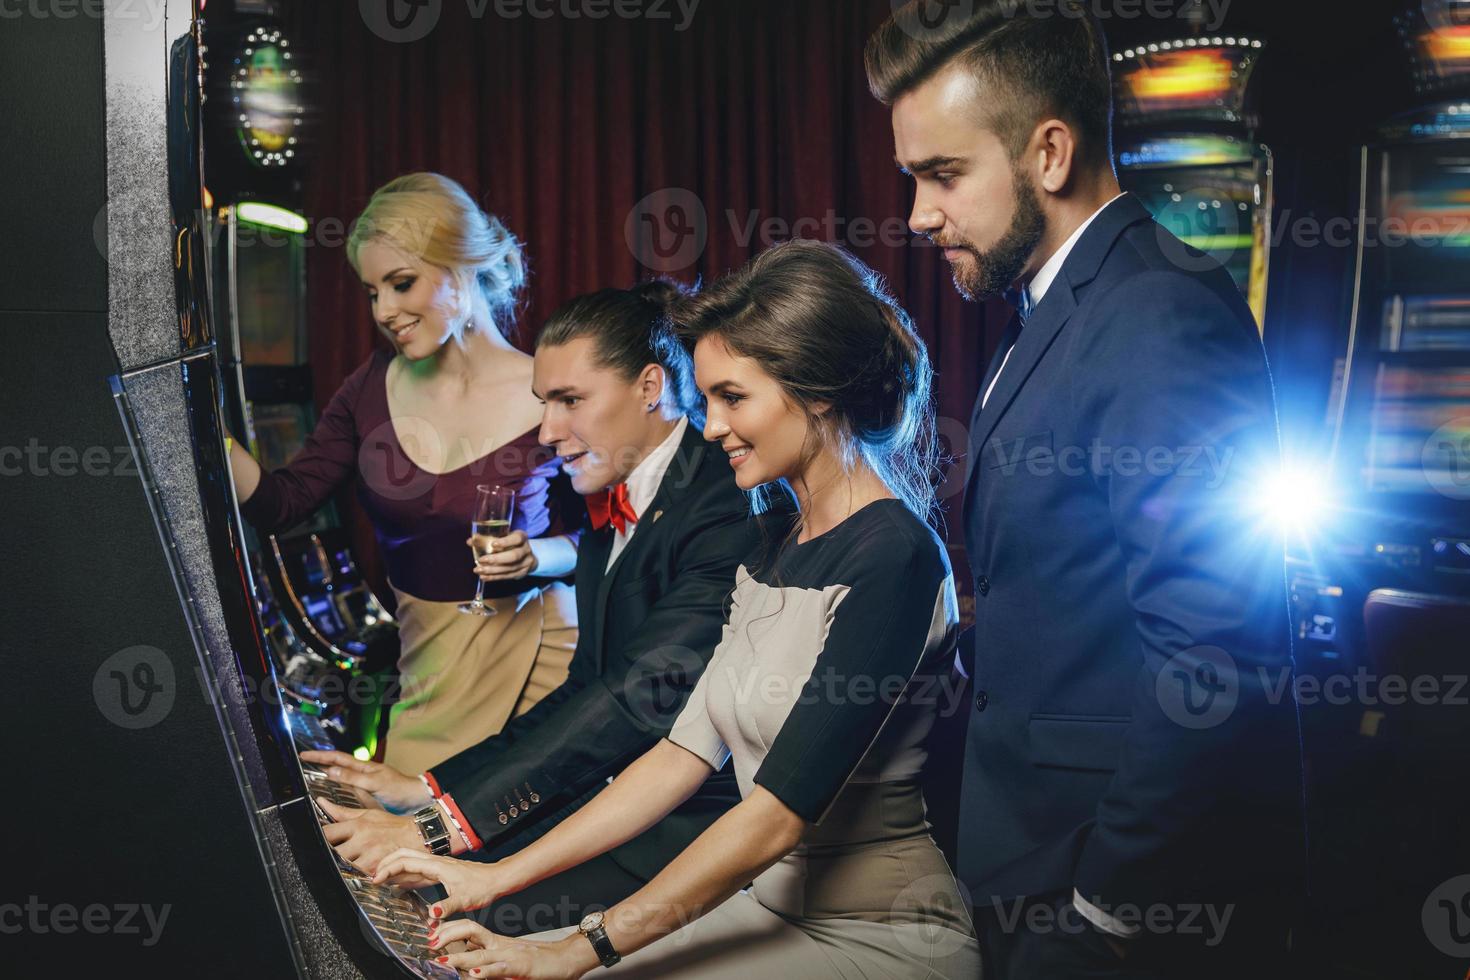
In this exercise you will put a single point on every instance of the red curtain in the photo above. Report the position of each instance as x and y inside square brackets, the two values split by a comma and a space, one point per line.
[755, 115]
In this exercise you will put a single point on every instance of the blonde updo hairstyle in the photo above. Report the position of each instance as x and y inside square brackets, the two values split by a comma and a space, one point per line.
[433, 218]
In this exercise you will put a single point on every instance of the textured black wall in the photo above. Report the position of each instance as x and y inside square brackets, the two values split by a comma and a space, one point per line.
[125, 849]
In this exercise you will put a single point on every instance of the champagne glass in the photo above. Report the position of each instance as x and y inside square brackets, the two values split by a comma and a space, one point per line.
[494, 507]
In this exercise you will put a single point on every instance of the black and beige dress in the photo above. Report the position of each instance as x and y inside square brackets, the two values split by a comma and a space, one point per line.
[803, 694]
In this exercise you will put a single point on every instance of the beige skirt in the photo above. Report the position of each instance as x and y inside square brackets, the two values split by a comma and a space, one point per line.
[868, 896]
[463, 677]
[741, 939]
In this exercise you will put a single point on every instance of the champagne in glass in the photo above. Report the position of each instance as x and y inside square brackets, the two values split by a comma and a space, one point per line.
[483, 535]
[494, 510]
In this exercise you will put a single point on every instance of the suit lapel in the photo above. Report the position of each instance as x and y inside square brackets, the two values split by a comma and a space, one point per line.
[592, 555]
[1008, 339]
[676, 481]
[1051, 314]
[1045, 323]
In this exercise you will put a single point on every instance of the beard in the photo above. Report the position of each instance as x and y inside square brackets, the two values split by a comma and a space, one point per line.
[996, 268]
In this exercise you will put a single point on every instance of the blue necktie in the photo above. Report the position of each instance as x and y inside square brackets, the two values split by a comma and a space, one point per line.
[1020, 300]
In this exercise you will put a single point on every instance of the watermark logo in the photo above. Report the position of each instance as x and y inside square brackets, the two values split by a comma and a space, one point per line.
[1447, 15]
[400, 21]
[1446, 459]
[1198, 688]
[385, 462]
[931, 942]
[1201, 227]
[658, 684]
[927, 20]
[134, 688]
[99, 233]
[1446, 917]
[667, 230]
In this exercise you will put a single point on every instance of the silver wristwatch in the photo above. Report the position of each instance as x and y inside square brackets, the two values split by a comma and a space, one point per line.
[433, 828]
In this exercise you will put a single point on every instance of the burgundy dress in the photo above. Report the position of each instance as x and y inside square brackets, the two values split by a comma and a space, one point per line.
[462, 676]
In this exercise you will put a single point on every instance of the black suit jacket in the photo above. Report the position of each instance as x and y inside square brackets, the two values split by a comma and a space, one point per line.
[1133, 733]
[647, 628]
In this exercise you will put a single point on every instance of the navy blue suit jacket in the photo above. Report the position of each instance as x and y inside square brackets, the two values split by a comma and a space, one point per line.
[1133, 732]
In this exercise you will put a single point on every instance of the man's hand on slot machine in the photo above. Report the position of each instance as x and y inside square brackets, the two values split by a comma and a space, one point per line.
[365, 837]
[393, 789]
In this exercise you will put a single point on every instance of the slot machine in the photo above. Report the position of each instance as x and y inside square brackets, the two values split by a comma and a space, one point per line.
[323, 623]
[1380, 576]
[1185, 144]
[162, 731]
[1401, 410]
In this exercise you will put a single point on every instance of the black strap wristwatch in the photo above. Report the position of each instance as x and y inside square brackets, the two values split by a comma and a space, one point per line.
[591, 927]
[433, 828]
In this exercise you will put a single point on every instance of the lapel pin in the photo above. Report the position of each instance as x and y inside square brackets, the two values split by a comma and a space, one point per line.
[657, 514]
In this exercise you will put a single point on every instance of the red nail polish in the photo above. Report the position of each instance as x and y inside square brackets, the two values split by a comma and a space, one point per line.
[443, 959]
[437, 911]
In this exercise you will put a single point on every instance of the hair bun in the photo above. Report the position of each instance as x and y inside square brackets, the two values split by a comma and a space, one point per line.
[661, 293]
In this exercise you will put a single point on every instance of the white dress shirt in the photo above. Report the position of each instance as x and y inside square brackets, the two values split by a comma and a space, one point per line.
[643, 484]
[1042, 281]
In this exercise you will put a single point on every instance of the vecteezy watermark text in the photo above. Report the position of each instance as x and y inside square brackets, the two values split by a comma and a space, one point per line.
[1185, 919]
[150, 12]
[1098, 459]
[1210, 14]
[406, 21]
[37, 459]
[590, 9]
[62, 918]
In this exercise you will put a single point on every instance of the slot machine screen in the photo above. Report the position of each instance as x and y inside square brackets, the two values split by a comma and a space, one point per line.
[265, 98]
[1437, 36]
[280, 432]
[1195, 81]
[270, 266]
[1425, 236]
[1426, 323]
[1211, 209]
[1420, 439]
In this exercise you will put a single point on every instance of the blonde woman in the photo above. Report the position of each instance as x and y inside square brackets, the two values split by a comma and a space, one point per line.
[417, 431]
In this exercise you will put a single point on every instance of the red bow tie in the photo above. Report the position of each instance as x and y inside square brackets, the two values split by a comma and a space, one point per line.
[611, 505]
